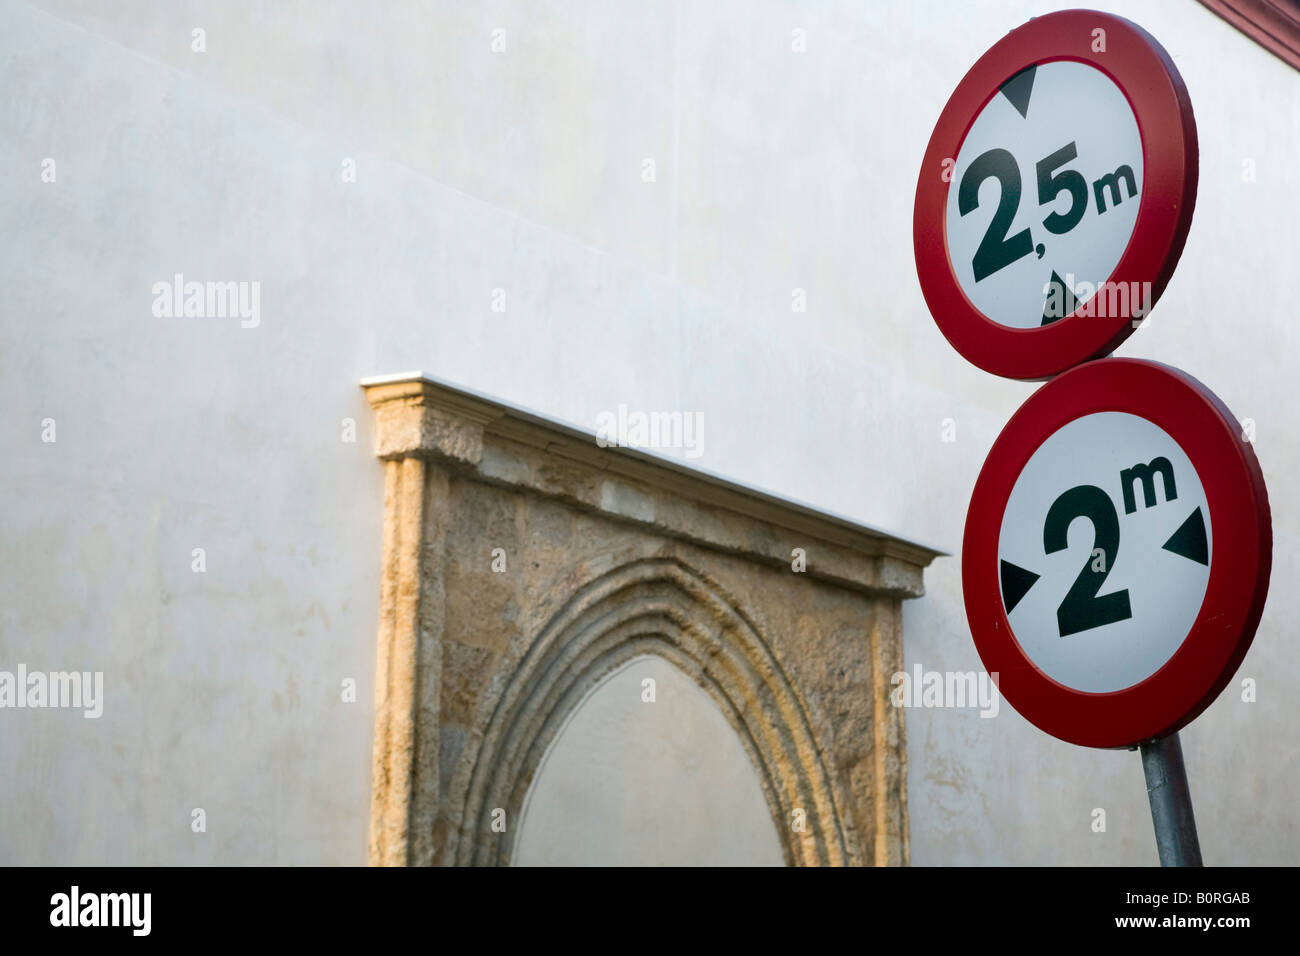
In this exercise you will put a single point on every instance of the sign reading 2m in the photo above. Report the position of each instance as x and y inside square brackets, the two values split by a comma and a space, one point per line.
[1083, 607]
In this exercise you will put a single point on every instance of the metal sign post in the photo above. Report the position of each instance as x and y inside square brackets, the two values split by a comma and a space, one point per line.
[1171, 802]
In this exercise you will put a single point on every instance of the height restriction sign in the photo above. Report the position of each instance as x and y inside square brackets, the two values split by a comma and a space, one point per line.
[1118, 541]
[1055, 194]
[1117, 553]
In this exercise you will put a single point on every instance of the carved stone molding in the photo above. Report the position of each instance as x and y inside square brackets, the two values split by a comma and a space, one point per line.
[523, 564]
[1273, 24]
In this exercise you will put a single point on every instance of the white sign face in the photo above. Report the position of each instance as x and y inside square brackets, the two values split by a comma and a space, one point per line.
[1044, 194]
[1104, 552]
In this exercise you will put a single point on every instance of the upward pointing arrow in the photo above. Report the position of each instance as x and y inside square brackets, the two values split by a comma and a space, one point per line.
[1018, 90]
[1060, 301]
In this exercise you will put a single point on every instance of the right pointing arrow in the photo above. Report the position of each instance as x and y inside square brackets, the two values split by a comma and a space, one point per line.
[1016, 581]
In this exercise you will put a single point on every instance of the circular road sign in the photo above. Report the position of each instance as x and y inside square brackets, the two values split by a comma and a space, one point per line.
[1056, 194]
[1117, 553]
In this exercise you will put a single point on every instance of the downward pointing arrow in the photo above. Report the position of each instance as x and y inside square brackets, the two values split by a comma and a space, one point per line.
[1019, 88]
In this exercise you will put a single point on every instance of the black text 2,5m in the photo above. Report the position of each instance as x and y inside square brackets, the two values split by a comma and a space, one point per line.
[997, 250]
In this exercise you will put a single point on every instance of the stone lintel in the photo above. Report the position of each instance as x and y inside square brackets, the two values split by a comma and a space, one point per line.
[417, 416]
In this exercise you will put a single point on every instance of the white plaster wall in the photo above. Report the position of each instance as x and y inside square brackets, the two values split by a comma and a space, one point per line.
[647, 775]
[522, 171]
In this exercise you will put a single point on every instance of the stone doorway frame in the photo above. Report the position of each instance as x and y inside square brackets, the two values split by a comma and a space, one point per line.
[457, 739]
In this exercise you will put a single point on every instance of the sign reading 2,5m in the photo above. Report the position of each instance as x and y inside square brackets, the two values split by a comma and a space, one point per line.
[997, 250]
[1039, 194]
[1055, 194]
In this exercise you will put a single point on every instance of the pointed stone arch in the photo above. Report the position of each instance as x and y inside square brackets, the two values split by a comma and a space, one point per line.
[654, 606]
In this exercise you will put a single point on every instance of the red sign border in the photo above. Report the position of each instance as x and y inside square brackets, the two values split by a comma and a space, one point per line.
[1146, 74]
[1240, 565]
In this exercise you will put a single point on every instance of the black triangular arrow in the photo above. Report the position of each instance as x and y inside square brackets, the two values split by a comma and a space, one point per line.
[1018, 88]
[1189, 539]
[1015, 582]
[1058, 290]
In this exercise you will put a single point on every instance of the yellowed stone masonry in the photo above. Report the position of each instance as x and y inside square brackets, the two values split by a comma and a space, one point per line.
[610, 554]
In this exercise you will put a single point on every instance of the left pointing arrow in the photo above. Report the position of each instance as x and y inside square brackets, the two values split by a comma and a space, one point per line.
[1189, 540]
[1016, 581]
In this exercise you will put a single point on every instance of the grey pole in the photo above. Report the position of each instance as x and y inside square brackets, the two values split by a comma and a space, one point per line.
[1171, 802]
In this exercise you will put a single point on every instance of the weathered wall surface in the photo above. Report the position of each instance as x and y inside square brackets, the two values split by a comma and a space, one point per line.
[523, 171]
